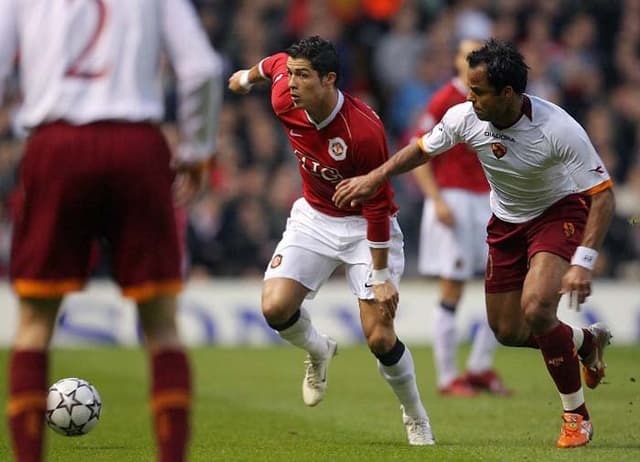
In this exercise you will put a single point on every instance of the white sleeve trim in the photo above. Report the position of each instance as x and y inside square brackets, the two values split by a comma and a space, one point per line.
[379, 245]
[261, 70]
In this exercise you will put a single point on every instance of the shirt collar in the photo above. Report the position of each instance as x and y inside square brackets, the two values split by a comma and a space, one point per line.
[329, 119]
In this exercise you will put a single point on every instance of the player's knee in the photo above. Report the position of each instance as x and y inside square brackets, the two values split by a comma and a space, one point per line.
[381, 341]
[507, 337]
[509, 333]
[539, 312]
[158, 321]
[276, 309]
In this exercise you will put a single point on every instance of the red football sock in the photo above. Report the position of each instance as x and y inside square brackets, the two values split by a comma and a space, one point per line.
[27, 403]
[562, 362]
[171, 400]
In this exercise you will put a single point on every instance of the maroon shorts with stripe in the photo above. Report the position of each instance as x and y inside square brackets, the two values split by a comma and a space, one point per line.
[558, 230]
[106, 180]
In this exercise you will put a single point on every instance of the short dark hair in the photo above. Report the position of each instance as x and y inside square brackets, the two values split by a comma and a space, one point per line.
[319, 52]
[505, 65]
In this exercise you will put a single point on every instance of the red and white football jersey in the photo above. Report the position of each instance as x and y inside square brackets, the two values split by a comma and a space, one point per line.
[83, 61]
[350, 142]
[543, 157]
[465, 172]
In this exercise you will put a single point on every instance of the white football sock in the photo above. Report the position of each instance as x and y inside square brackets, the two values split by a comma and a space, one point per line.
[483, 349]
[402, 379]
[578, 336]
[445, 346]
[303, 335]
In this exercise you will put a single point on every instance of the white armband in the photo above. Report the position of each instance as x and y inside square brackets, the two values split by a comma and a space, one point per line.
[244, 80]
[585, 257]
[379, 276]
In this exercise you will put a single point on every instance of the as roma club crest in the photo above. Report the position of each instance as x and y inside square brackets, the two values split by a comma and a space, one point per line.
[337, 148]
[568, 229]
[498, 149]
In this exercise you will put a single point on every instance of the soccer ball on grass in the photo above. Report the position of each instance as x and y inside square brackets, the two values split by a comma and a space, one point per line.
[73, 407]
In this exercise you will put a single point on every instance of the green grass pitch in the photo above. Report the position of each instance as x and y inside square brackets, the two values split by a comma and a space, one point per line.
[248, 407]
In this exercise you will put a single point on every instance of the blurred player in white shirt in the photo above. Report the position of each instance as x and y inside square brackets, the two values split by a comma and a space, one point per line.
[452, 242]
[552, 203]
[96, 166]
[334, 136]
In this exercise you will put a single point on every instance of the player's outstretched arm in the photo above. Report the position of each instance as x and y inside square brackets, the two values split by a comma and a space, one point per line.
[241, 81]
[354, 191]
[577, 280]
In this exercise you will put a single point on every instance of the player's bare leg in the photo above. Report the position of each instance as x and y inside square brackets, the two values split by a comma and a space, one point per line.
[516, 322]
[282, 308]
[28, 376]
[395, 364]
[171, 390]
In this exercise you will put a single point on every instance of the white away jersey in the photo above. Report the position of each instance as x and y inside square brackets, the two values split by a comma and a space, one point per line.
[83, 61]
[545, 156]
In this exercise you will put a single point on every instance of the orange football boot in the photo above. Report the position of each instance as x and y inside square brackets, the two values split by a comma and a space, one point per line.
[575, 431]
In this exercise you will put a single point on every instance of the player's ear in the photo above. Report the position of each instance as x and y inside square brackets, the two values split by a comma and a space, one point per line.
[508, 91]
[330, 78]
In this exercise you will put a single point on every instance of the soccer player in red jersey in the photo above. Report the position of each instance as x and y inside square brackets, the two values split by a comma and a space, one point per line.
[97, 166]
[334, 136]
[452, 243]
[552, 203]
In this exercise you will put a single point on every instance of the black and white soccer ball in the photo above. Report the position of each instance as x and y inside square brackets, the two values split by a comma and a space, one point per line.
[73, 407]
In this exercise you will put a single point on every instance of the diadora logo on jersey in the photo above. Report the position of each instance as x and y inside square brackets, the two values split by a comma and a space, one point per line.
[330, 174]
[500, 136]
[498, 150]
[337, 148]
[598, 170]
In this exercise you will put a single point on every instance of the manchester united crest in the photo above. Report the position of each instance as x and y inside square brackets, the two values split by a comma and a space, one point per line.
[337, 148]
[276, 261]
[498, 149]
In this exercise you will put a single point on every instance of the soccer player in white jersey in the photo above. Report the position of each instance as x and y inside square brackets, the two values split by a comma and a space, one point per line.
[452, 242]
[96, 165]
[334, 136]
[552, 203]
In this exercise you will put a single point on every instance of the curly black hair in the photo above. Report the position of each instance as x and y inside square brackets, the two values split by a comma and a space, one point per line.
[505, 65]
[319, 52]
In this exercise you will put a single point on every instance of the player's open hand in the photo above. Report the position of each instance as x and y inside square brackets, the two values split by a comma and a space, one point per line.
[576, 283]
[354, 191]
[387, 297]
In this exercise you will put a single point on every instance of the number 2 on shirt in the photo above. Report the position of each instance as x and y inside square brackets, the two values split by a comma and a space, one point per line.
[75, 68]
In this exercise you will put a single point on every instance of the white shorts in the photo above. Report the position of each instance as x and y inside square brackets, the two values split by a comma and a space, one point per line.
[460, 251]
[313, 245]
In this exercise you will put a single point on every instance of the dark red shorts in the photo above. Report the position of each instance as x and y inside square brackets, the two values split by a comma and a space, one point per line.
[558, 230]
[78, 184]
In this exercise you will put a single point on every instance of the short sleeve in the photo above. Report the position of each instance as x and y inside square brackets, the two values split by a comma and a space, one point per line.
[446, 133]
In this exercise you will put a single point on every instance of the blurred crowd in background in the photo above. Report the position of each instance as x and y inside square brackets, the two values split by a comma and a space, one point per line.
[583, 55]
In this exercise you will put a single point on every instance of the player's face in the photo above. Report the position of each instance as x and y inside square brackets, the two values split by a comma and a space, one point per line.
[308, 90]
[487, 104]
